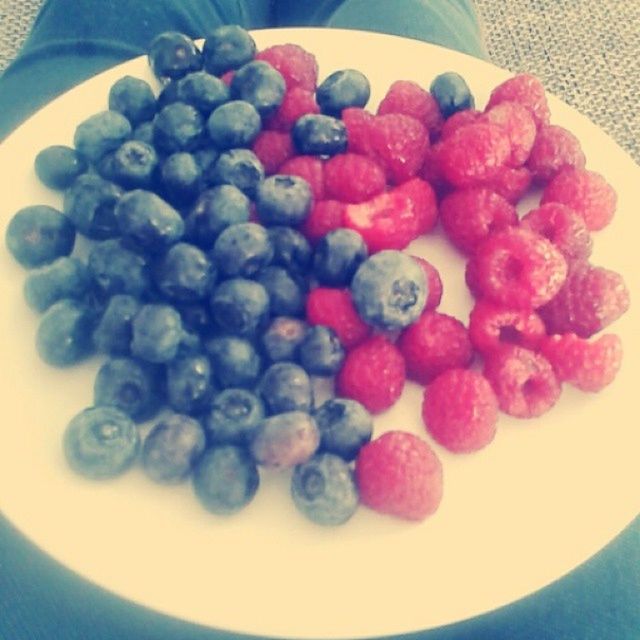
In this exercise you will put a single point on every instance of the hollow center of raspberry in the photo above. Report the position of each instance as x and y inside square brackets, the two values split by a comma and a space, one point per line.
[512, 268]
[509, 335]
[532, 389]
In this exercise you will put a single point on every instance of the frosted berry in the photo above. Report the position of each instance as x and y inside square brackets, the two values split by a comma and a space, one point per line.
[512, 184]
[273, 149]
[434, 283]
[555, 149]
[520, 127]
[526, 90]
[423, 202]
[351, 177]
[308, 168]
[296, 103]
[297, 66]
[458, 120]
[325, 216]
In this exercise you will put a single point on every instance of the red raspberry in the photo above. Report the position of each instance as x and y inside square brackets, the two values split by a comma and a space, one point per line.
[398, 474]
[562, 226]
[351, 177]
[518, 122]
[296, 103]
[273, 148]
[589, 366]
[471, 278]
[358, 124]
[524, 89]
[334, 308]
[590, 300]
[423, 201]
[310, 169]
[519, 268]
[468, 216]
[298, 67]
[512, 184]
[434, 283]
[585, 191]
[373, 373]
[474, 154]
[460, 410]
[434, 343]
[555, 149]
[325, 216]
[458, 120]
[523, 381]
[227, 77]
[431, 171]
[493, 326]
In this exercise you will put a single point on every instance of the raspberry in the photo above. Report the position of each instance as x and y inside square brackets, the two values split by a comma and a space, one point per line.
[458, 120]
[434, 284]
[512, 184]
[471, 278]
[431, 171]
[523, 381]
[460, 410]
[296, 103]
[273, 148]
[325, 216]
[227, 77]
[562, 226]
[373, 373]
[474, 154]
[555, 149]
[423, 201]
[526, 90]
[520, 127]
[398, 474]
[590, 300]
[585, 191]
[589, 366]
[468, 216]
[298, 67]
[351, 177]
[358, 123]
[308, 168]
[519, 268]
[493, 326]
[334, 308]
[434, 343]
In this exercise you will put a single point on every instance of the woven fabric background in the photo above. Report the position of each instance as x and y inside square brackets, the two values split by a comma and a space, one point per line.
[584, 51]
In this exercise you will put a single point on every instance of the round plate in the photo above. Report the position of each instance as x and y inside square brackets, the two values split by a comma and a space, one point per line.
[542, 498]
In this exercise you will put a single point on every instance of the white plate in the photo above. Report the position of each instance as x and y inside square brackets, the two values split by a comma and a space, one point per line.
[544, 497]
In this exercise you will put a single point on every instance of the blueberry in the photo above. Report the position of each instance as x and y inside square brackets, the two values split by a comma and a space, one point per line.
[451, 93]
[242, 249]
[321, 352]
[239, 167]
[234, 124]
[291, 249]
[260, 84]
[38, 234]
[225, 479]
[282, 338]
[189, 383]
[236, 363]
[319, 134]
[184, 273]
[64, 333]
[202, 90]
[286, 386]
[157, 332]
[345, 426]
[148, 221]
[113, 331]
[168, 95]
[58, 166]
[286, 292]
[337, 257]
[172, 449]
[196, 317]
[389, 290]
[133, 98]
[227, 47]
[131, 386]
[283, 200]
[101, 442]
[90, 204]
[116, 269]
[178, 127]
[240, 307]
[172, 55]
[234, 416]
[206, 159]
[100, 133]
[324, 490]
[180, 178]
[342, 89]
[285, 440]
[63, 278]
[144, 133]
[133, 164]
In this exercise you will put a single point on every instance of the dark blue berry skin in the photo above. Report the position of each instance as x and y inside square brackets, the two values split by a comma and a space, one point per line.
[148, 221]
[90, 203]
[144, 133]
[225, 479]
[63, 278]
[241, 168]
[101, 443]
[282, 338]
[260, 84]
[242, 249]
[345, 426]
[157, 333]
[185, 273]
[291, 249]
[234, 124]
[342, 89]
[133, 98]
[286, 386]
[234, 416]
[240, 307]
[196, 317]
[337, 257]
[38, 234]
[236, 363]
[58, 166]
[133, 164]
[389, 290]
[287, 293]
[452, 93]
[180, 178]
[178, 127]
[206, 159]
[214, 211]
[202, 90]
[285, 440]
[113, 331]
[132, 386]
[319, 135]
[283, 200]
[321, 353]
[116, 269]
[172, 55]
[227, 47]
[190, 384]
[100, 133]
[172, 449]
[64, 333]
